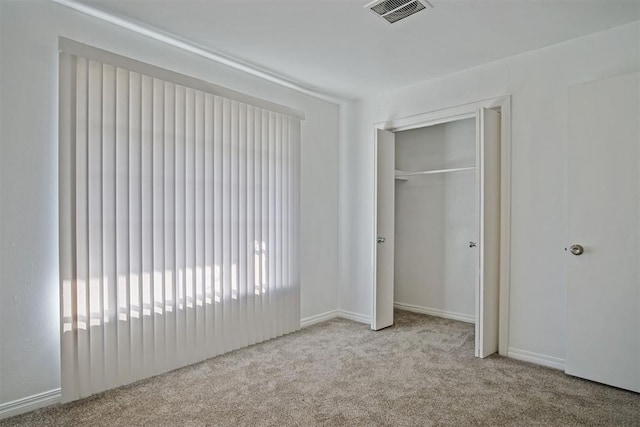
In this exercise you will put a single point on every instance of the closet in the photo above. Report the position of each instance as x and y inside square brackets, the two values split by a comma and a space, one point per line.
[435, 220]
[439, 221]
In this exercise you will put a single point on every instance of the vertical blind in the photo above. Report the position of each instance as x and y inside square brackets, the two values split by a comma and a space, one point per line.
[178, 224]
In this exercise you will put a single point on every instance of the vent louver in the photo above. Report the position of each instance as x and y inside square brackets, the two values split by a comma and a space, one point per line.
[395, 10]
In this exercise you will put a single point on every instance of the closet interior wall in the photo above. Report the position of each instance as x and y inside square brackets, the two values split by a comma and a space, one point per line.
[436, 219]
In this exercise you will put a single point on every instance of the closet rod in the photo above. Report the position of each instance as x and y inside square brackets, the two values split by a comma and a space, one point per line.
[403, 174]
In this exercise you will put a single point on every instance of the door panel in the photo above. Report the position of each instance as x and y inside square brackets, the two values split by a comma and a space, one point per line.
[603, 283]
[488, 170]
[384, 228]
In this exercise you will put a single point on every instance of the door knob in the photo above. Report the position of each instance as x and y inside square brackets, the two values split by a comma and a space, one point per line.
[472, 244]
[381, 239]
[576, 249]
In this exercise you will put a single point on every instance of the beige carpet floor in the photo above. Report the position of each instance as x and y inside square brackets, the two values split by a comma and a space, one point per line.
[419, 372]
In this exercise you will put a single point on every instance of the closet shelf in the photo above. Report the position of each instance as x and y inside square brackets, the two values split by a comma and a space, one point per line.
[402, 175]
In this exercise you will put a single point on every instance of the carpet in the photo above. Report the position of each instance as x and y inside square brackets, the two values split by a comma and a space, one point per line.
[421, 371]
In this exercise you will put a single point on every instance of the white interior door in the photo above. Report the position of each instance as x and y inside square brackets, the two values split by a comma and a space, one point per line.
[603, 274]
[384, 229]
[488, 287]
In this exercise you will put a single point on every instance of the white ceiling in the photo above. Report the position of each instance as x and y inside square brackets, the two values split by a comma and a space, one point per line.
[339, 48]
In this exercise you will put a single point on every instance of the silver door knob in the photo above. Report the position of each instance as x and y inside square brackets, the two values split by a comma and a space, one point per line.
[576, 249]
[472, 244]
[381, 239]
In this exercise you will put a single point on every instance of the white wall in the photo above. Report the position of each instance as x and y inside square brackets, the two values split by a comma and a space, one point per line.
[538, 82]
[29, 317]
[436, 219]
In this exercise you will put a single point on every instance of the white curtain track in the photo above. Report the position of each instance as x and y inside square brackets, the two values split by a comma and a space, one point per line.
[178, 224]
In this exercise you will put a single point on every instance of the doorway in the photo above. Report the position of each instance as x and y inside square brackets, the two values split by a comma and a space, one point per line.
[442, 209]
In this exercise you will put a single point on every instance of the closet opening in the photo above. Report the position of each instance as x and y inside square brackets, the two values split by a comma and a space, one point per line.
[441, 234]
[435, 220]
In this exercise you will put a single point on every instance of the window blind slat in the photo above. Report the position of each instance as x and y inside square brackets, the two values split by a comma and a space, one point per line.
[122, 225]
[146, 228]
[180, 225]
[169, 179]
[277, 253]
[135, 224]
[295, 218]
[157, 226]
[227, 318]
[67, 218]
[109, 205]
[242, 301]
[82, 225]
[95, 227]
[264, 232]
[208, 198]
[250, 227]
[233, 222]
[271, 219]
[199, 200]
[284, 244]
[189, 245]
[218, 247]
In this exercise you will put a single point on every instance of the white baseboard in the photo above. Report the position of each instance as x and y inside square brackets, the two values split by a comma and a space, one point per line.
[356, 317]
[318, 318]
[538, 359]
[435, 312]
[27, 404]
[323, 317]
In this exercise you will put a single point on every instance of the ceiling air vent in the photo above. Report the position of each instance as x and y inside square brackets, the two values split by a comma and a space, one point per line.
[395, 10]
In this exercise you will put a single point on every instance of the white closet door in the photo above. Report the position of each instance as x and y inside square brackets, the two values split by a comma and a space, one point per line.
[384, 228]
[488, 169]
[603, 282]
